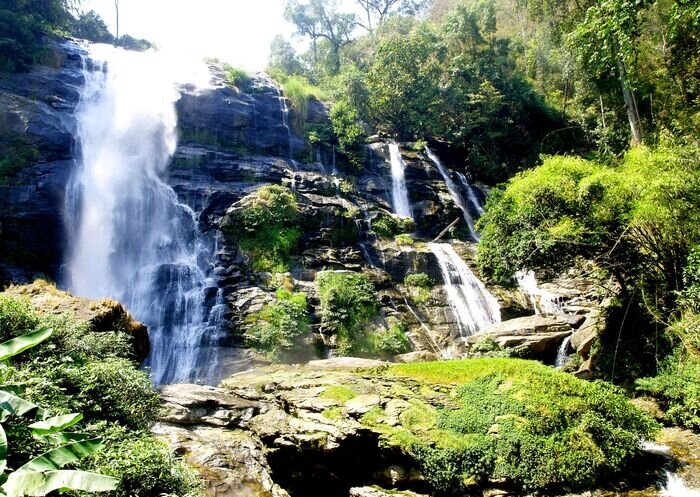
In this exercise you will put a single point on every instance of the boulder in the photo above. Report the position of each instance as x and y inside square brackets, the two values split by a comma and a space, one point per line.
[345, 364]
[380, 492]
[102, 315]
[418, 356]
[583, 338]
[539, 334]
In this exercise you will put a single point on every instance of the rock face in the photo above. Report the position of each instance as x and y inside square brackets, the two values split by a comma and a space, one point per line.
[539, 334]
[102, 315]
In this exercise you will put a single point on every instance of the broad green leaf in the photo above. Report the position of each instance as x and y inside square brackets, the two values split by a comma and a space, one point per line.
[55, 424]
[20, 484]
[21, 343]
[66, 438]
[3, 449]
[19, 406]
[60, 456]
[74, 480]
[14, 388]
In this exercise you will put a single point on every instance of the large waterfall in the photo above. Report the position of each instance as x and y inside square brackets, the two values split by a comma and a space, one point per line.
[454, 192]
[130, 237]
[471, 301]
[399, 192]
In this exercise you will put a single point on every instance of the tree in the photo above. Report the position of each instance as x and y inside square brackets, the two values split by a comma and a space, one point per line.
[319, 19]
[90, 26]
[378, 10]
[116, 7]
[283, 57]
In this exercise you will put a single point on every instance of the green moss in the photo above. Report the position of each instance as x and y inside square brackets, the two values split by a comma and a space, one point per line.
[338, 392]
[404, 239]
[332, 413]
[15, 155]
[268, 229]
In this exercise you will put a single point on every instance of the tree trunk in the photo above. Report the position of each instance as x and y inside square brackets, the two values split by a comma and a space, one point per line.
[631, 105]
[116, 6]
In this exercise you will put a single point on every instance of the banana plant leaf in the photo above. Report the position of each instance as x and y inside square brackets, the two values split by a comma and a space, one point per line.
[60, 456]
[37, 483]
[21, 343]
[55, 424]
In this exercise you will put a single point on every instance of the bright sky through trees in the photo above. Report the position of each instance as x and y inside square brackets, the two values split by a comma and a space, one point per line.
[236, 31]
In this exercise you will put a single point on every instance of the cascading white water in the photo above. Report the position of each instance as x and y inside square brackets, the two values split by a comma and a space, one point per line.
[454, 192]
[284, 109]
[472, 303]
[676, 487]
[399, 192]
[130, 237]
[563, 353]
[476, 202]
[543, 302]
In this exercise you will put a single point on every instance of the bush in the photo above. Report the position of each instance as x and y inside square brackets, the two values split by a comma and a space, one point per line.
[388, 226]
[348, 302]
[277, 326]
[145, 467]
[268, 228]
[537, 428]
[392, 340]
[236, 76]
[404, 239]
[419, 280]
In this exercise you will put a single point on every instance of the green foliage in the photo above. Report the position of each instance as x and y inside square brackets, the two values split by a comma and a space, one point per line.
[339, 392]
[637, 219]
[268, 228]
[351, 135]
[235, 76]
[535, 427]
[90, 26]
[76, 370]
[15, 155]
[404, 239]
[275, 329]
[389, 226]
[391, 340]
[347, 304]
[419, 280]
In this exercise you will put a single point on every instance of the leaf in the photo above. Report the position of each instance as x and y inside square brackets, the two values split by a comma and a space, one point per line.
[66, 438]
[3, 450]
[18, 406]
[55, 424]
[74, 480]
[20, 484]
[20, 344]
[60, 456]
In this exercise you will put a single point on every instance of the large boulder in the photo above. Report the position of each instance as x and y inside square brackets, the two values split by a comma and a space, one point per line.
[102, 315]
[539, 334]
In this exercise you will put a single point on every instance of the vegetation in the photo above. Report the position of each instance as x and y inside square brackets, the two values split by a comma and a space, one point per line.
[419, 286]
[76, 370]
[268, 228]
[235, 76]
[276, 328]
[347, 305]
[389, 226]
[535, 427]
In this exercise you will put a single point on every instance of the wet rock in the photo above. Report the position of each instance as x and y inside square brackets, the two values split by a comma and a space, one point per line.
[344, 364]
[380, 492]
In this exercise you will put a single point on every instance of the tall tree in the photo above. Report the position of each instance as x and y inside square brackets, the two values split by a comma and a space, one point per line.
[320, 19]
[116, 6]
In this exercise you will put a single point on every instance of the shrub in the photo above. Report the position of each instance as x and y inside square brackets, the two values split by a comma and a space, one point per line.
[419, 280]
[348, 302]
[236, 76]
[351, 135]
[404, 239]
[388, 226]
[392, 340]
[277, 326]
[535, 427]
[268, 228]
[145, 466]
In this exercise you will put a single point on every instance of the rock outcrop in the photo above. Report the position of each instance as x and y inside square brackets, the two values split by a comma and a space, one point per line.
[539, 334]
[101, 315]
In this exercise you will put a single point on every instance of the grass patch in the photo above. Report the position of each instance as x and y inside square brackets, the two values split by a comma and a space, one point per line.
[339, 392]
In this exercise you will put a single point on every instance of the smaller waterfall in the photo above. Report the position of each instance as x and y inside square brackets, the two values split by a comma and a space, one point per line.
[543, 302]
[399, 192]
[676, 487]
[563, 353]
[471, 190]
[284, 109]
[474, 306]
[454, 192]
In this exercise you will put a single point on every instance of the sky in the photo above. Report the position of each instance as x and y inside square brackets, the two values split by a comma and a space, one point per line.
[236, 31]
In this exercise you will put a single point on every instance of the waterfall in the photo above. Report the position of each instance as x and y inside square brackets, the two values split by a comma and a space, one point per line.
[676, 487]
[563, 353]
[471, 190]
[543, 302]
[399, 192]
[129, 236]
[284, 109]
[471, 302]
[454, 192]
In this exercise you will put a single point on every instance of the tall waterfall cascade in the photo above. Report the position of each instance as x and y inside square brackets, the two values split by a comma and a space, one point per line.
[474, 306]
[130, 238]
[399, 192]
[454, 192]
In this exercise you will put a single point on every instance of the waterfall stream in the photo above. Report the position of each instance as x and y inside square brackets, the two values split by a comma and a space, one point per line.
[454, 192]
[130, 238]
[399, 192]
[474, 306]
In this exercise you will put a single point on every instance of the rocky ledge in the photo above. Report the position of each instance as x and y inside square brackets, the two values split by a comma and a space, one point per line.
[327, 430]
